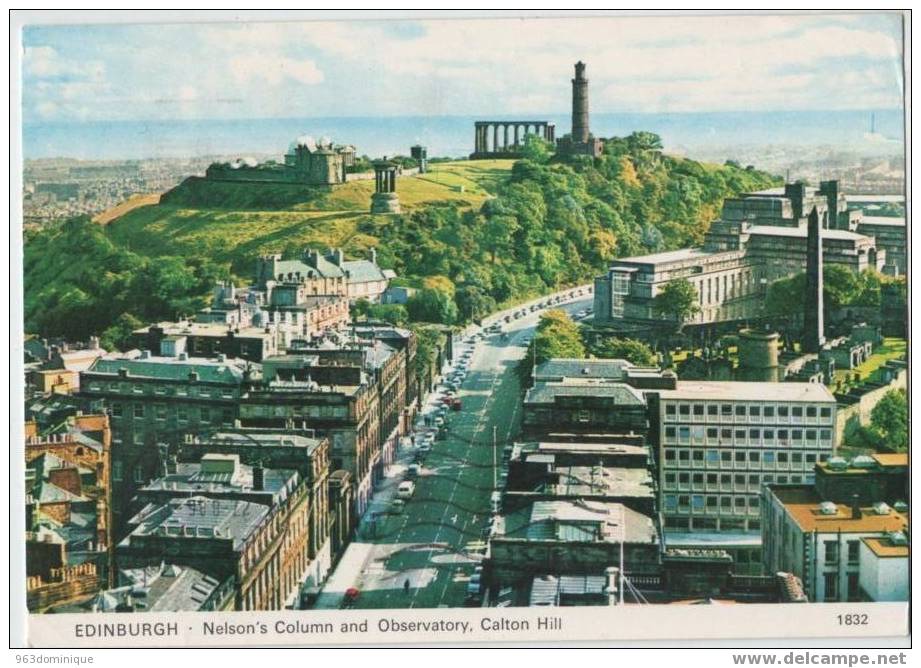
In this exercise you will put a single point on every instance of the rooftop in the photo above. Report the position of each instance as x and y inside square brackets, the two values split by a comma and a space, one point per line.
[544, 447]
[581, 521]
[228, 371]
[547, 392]
[566, 367]
[805, 507]
[255, 437]
[236, 479]
[664, 257]
[199, 517]
[602, 481]
[883, 220]
[363, 271]
[745, 391]
[214, 329]
[884, 548]
[802, 232]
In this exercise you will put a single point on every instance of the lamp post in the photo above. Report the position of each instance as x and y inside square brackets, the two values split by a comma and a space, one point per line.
[495, 469]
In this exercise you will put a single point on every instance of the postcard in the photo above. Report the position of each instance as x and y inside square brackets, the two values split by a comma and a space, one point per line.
[461, 328]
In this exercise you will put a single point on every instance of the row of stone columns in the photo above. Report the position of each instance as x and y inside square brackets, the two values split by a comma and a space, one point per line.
[500, 140]
[385, 179]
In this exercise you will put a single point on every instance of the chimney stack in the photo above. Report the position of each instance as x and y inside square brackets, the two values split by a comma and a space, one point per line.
[856, 513]
[258, 478]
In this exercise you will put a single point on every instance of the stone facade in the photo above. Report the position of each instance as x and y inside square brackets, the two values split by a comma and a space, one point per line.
[308, 162]
[760, 238]
[505, 139]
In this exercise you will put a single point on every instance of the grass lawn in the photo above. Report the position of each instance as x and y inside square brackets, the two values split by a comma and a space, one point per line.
[890, 349]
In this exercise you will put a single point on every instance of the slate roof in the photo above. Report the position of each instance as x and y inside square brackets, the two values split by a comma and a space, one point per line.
[229, 371]
[363, 271]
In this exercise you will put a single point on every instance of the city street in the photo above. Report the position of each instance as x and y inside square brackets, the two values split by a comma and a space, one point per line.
[433, 543]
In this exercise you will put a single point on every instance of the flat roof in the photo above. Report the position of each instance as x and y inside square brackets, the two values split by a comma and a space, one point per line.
[802, 232]
[891, 459]
[883, 548]
[711, 539]
[727, 390]
[608, 448]
[892, 221]
[571, 367]
[665, 256]
[802, 504]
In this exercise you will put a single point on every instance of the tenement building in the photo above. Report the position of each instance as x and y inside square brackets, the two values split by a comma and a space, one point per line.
[153, 401]
[68, 511]
[761, 237]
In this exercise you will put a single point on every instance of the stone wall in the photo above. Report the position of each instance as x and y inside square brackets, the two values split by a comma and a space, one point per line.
[851, 417]
[64, 584]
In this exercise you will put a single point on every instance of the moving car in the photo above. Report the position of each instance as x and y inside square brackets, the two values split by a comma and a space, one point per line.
[397, 506]
[406, 489]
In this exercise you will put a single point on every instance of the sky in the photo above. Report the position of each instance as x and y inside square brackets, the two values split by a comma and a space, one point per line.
[460, 67]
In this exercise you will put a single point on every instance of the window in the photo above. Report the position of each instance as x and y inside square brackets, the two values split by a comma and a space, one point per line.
[116, 409]
[698, 410]
[726, 434]
[740, 480]
[781, 480]
[683, 456]
[713, 457]
[205, 416]
[768, 411]
[831, 552]
[669, 432]
[117, 471]
[712, 410]
[853, 587]
[783, 436]
[825, 412]
[697, 502]
[138, 474]
[810, 458]
[754, 411]
[669, 478]
[754, 435]
[782, 457]
[712, 501]
[825, 434]
[138, 410]
[671, 502]
[684, 501]
[726, 456]
[754, 481]
[698, 456]
[853, 551]
[726, 410]
[726, 502]
[831, 587]
[684, 478]
[161, 412]
[810, 411]
[725, 479]
[740, 411]
[669, 455]
[740, 435]
[810, 435]
[670, 409]
[684, 410]
[697, 479]
[753, 502]
[712, 478]
[754, 456]
[684, 434]
[740, 502]
[783, 411]
[797, 457]
[712, 433]
[797, 411]
[797, 435]
[740, 456]
[182, 414]
[768, 457]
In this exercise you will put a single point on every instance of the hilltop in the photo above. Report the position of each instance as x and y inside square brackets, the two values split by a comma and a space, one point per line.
[473, 234]
[232, 222]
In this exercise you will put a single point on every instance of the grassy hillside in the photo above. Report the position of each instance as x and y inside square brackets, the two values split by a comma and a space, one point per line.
[233, 222]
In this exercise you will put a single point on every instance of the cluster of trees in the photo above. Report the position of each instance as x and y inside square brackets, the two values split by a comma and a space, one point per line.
[841, 288]
[78, 284]
[556, 222]
[888, 428]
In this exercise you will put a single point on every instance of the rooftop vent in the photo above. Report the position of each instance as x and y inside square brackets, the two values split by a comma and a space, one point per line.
[828, 508]
[837, 463]
[863, 462]
[881, 508]
[900, 506]
[897, 538]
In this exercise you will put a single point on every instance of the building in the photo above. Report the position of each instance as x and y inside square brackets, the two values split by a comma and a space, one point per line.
[307, 162]
[572, 538]
[760, 238]
[891, 237]
[224, 539]
[347, 414]
[163, 587]
[580, 141]
[825, 544]
[719, 442]
[364, 278]
[874, 477]
[584, 405]
[68, 510]
[153, 401]
[884, 573]
[609, 472]
[288, 450]
[187, 338]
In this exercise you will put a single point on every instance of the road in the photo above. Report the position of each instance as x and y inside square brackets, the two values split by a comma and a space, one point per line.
[432, 544]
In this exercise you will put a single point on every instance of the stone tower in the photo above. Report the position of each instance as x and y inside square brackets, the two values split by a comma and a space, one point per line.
[813, 318]
[384, 199]
[580, 131]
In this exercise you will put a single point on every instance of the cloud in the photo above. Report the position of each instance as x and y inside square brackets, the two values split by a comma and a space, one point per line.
[470, 66]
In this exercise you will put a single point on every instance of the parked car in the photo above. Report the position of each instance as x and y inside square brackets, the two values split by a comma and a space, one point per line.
[456, 405]
[397, 506]
[406, 489]
[413, 471]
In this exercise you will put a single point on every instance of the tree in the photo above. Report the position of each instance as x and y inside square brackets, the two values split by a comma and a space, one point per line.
[890, 418]
[557, 336]
[631, 350]
[677, 301]
[395, 314]
[536, 149]
[429, 305]
[473, 303]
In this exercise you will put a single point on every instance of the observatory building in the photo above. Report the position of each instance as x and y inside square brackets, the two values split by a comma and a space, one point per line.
[307, 162]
